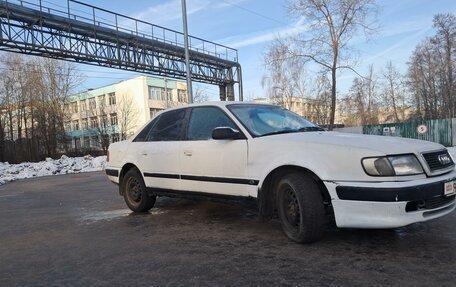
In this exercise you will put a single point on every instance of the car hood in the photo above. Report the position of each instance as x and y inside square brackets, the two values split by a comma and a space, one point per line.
[380, 144]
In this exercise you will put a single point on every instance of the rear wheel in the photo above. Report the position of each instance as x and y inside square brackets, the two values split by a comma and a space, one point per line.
[300, 207]
[135, 192]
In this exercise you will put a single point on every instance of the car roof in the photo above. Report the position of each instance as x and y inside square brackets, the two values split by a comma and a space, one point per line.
[211, 103]
[221, 104]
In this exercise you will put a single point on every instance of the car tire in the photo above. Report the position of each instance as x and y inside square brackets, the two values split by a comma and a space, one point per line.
[135, 193]
[300, 207]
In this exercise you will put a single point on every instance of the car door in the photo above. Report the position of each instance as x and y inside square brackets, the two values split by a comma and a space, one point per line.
[213, 166]
[159, 152]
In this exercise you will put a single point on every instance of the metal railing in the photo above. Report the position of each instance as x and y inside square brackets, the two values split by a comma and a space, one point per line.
[99, 17]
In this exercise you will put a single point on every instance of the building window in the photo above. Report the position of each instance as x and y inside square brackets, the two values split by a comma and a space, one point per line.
[74, 107]
[92, 104]
[156, 93]
[182, 96]
[104, 121]
[112, 99]
[153, 111]
[93, 122]
[113, 119]
[76, 125]
[94, 141]
[101, 101]
[85, 124]
[86, 142]
[83, 105]
[115, 138]
[77, 143]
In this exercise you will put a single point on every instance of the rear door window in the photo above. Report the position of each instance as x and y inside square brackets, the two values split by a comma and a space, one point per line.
[169, 126]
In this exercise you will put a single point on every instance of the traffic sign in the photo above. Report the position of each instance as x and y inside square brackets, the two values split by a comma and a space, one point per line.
[422, 129]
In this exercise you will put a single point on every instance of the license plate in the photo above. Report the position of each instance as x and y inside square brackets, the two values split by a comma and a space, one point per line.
[449, 188]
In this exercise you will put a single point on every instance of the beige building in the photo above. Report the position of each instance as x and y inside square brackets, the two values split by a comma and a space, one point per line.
[97, 117]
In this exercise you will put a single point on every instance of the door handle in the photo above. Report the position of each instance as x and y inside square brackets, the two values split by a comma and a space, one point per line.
[144, 153]
[188, 153]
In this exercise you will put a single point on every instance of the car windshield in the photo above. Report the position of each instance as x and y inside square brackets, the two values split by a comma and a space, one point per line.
[263, 120]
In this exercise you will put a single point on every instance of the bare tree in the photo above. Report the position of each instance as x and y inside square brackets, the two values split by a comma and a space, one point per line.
[57, 84]
[103, 126]
[446, 42]
[431, 71]
[285, 79]
[127, 115]
[422, 80]
[394, 92]
[17, 94]
[360, 106]
[322, 90]
[332, 25]
[32, 96]
[200, 94]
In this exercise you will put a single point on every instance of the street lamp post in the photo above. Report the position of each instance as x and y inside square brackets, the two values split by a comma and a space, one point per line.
[187, 61]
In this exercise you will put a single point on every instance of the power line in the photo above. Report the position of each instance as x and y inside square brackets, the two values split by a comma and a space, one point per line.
[254, 12]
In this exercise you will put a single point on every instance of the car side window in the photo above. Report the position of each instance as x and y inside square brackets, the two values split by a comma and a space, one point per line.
[204, 120]
[168, 126]
[142, 136]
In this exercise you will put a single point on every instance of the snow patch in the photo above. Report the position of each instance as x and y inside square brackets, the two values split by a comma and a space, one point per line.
[64, 165]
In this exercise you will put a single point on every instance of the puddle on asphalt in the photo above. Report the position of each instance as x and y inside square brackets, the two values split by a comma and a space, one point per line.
[92, 217]
[104, 215]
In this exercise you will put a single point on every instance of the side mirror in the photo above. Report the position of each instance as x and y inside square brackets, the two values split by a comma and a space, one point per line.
[226, 133]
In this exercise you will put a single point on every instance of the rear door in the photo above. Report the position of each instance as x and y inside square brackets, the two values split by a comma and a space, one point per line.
[159, 152]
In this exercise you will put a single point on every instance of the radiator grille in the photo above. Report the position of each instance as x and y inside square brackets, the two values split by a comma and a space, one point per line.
[437, 160]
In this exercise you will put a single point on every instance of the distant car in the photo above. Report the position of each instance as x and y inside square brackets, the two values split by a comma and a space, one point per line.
[287, 164]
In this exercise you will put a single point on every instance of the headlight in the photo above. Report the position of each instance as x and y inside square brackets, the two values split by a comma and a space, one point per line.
[392, 165]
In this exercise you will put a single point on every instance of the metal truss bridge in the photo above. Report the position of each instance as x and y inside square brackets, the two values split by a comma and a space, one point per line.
[86, 34]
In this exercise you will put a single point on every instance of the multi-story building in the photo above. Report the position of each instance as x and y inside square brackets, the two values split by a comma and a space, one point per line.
[100, 116]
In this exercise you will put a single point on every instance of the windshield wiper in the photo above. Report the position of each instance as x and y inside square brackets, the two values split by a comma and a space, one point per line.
[304, 129]
[311, 129]
[279, 132]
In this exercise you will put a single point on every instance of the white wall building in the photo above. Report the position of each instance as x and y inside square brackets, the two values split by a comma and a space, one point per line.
[97, 117]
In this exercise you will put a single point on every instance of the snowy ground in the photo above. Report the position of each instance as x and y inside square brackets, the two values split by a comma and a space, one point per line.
[64, 165]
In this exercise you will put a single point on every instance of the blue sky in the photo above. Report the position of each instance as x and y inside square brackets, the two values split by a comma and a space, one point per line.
[249, 25]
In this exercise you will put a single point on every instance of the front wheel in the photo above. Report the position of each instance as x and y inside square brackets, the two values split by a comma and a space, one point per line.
[135, 192]
[300, 207]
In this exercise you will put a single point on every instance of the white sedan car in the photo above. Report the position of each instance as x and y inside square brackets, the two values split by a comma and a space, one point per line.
[290, 166]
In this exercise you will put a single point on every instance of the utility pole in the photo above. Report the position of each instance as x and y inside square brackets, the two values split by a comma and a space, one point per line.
[166, 91]
[187, 60]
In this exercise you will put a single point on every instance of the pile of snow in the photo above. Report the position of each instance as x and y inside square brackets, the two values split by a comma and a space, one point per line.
[64, 165]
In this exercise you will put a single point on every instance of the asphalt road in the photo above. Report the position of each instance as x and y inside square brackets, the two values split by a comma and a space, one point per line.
[75, 230]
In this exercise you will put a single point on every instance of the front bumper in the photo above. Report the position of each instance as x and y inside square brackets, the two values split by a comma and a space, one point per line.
[390, 204]
[113, 174]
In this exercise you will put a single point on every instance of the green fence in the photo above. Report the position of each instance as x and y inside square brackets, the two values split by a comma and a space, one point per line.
[439, 131]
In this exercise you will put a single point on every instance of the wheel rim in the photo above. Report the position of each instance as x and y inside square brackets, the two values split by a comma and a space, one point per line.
[134, 192]
[291, 208]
